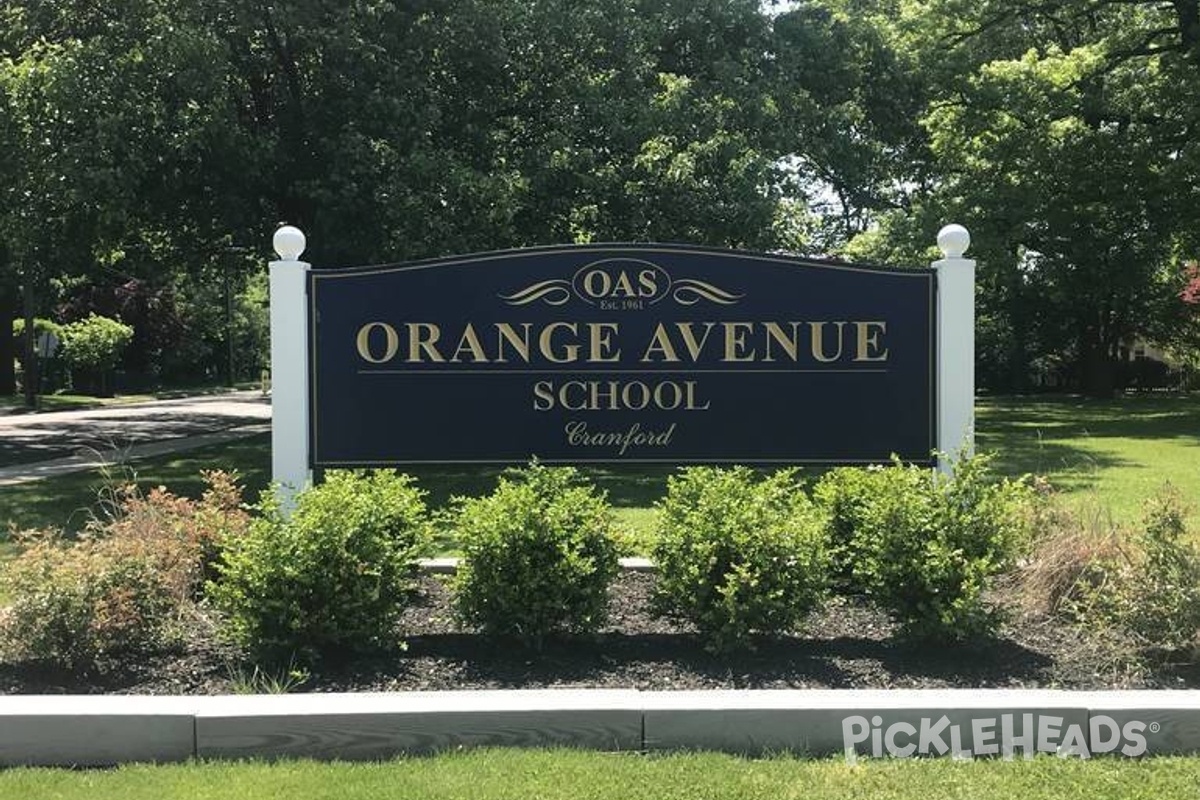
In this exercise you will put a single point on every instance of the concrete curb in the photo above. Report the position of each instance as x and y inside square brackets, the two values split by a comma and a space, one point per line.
[89, 731]
[370, 726]
[812, 721]
[105, 730]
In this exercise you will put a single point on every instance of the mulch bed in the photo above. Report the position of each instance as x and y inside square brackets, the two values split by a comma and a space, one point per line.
[849, 645]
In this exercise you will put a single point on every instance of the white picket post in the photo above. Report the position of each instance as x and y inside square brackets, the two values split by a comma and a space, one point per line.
[956, 346]
[289, 366]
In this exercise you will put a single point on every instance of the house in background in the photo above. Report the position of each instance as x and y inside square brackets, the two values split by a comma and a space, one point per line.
[1144, 367]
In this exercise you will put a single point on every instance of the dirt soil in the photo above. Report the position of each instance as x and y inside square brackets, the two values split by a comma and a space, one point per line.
[849, 645]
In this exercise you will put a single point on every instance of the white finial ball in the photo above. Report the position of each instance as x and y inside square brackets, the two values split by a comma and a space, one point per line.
[289, 243]
[953, 241]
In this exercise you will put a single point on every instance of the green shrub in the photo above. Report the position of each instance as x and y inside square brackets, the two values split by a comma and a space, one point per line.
[931, 545]
[336, 574]
[844, 494]
[95, 343]
[1160, 593]
[124, 585]
[738, 556]
[539, 556]
[40, 326]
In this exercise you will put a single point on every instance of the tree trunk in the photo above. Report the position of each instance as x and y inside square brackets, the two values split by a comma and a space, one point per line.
[31, 359]
[1188, 14]
[8, 350]
[1019, 361]
[1098, 370]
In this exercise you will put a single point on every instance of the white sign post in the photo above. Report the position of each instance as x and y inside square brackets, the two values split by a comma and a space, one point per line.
[289, 367]
[955, 347]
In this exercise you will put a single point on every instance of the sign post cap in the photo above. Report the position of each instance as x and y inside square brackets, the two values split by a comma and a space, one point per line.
[289, 243]
[953, 241]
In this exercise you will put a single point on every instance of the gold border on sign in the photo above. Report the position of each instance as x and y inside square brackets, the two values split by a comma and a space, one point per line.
[317, 275]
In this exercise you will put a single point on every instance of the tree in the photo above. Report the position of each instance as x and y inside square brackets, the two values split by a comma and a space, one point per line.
[850, 104]
[1064, 134]
[149, 143]
[123, 157]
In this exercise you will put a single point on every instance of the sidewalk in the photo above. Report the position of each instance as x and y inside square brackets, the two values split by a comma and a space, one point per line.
[37, 446]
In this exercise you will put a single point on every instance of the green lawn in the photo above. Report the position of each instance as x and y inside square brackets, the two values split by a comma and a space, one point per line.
[1112, 453]
[69, 501]
[527, 775]
[72, 402]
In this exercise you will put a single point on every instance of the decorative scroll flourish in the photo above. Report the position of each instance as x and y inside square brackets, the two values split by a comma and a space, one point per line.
[688, 292]
[554, 292]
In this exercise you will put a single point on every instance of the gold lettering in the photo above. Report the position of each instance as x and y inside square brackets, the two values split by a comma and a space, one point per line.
[660, 399]
[818, 341]
[543, 391]
[546, 343]
[791, 346]
[735, 341]
[660, 343]
[518, 341]
[589, 285]
[364, 342]
[869, 340]
[617, 396]
[601, 343]
[422, 337]
[469, 341]
[624, 286]
[689, 338]
[627, 395]
[564, 400]
[647, 282]
[600, 397]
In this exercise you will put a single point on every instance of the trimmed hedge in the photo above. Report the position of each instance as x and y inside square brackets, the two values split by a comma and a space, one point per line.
[738, 556]
[539, 555]
[334, 576]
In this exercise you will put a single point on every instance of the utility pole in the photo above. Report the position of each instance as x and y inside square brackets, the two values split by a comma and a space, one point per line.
[30, 377]
[228, 322]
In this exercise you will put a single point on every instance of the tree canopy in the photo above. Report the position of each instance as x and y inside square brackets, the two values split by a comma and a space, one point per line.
[1064, 134]
[149, 147]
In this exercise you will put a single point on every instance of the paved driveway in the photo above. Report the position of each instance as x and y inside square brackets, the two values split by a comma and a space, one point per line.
[30, 438]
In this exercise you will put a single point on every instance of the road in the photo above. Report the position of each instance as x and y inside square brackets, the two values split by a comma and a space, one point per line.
[37, 445]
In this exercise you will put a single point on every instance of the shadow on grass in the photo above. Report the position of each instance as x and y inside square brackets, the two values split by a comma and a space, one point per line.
[1058, 417]
[70, 501]
[1073, 467]
[1056, 435]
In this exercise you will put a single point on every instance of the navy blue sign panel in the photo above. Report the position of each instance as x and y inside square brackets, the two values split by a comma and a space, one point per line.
[621, 353]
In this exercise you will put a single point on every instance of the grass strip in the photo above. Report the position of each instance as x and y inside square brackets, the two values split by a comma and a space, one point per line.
[526, 774]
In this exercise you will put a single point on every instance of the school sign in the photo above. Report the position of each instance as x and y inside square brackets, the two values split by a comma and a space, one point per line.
[630, 353]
